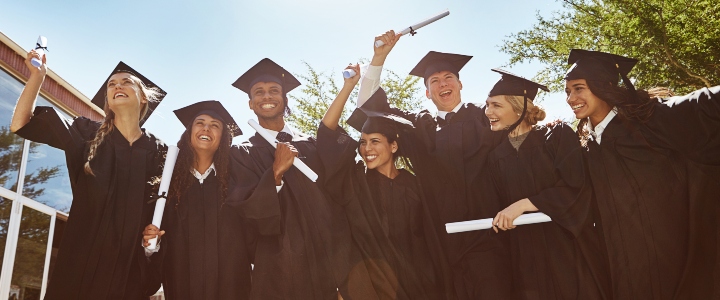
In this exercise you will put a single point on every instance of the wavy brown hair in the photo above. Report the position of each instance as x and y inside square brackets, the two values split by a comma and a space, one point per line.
[108, 124]
[182, 177]
[631, 105]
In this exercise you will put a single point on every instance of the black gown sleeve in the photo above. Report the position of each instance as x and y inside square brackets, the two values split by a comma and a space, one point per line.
[689, 124]
[337, 151]
[255, 195]
[47, 126]
[568, 202]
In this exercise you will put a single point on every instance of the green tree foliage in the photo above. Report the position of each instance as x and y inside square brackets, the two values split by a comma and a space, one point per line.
[319, 90]
[676, 41]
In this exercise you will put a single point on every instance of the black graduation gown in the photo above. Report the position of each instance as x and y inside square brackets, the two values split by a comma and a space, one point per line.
[447, 160]
[303, 246]
[389, 220]
[100, 256]
[657, 198]
[204, 253]
[558, 259]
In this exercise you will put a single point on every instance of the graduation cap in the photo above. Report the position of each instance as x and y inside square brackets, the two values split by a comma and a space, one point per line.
[212, 108]
[601, 66]
[266, 71]
[514, 85]
[435, 62]
[101, 95]
[375, 116]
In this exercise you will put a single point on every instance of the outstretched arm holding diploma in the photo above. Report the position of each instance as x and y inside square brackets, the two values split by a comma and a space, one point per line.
[370, 81]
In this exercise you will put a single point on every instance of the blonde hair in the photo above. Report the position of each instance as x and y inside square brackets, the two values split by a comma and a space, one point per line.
[152, 94]
[534, 113]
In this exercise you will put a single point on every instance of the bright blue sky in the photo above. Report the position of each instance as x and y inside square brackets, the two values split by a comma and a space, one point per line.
[196, 49]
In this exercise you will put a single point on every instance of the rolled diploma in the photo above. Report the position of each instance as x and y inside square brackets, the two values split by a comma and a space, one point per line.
[481, 224]
[296, 162]
[417, 26]
[41, 42]
[170, 159]
[347, 73]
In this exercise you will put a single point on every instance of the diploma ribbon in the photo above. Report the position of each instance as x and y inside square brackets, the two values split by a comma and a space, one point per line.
[38, 46]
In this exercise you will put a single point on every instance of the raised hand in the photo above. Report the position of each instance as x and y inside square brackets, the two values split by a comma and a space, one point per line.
[389, 39]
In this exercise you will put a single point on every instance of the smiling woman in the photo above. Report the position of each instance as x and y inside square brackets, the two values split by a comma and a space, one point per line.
[112, 165]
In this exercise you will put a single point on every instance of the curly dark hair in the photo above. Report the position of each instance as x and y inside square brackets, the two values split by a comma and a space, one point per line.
[631, 105]
[182, 178]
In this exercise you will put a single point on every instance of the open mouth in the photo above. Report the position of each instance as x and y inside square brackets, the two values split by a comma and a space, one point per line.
[268, 106]
[120, 95]
[577, 107]
[445, 94]
[205, 138]
[370, 158]
[493, 120]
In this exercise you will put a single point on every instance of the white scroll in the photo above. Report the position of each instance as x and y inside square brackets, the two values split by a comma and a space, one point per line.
[417, 26]
[347, 73]
[296, 162]
[40, 47]
[170, 159]
[481, 224]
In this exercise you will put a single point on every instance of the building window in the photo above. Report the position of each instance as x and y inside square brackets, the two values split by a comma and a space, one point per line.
[11, 145]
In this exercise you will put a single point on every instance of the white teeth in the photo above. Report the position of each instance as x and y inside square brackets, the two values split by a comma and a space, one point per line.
[120, 95]
[371, 157]
[494, 120]
[444, 93]
[268, 105]
[204, 137]
[577, 106]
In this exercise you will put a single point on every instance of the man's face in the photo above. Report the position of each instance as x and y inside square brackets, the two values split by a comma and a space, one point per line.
[443, 88]
[266, 100]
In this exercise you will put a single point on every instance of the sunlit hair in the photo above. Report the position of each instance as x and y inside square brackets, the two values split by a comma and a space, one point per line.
[182, 177]
[108, 124]
[534, 113]
[637, 106]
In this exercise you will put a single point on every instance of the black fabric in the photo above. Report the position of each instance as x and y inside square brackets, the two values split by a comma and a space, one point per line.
[284, 137]
[444, 121]
[205, 252]
[599, 66]
[390, 223]
[513, 85]
[303, 246]
[656, 185]
[434, 62]
[213, 108]
[100, 256]
[266, 70]
[554, 260]
[447, 161]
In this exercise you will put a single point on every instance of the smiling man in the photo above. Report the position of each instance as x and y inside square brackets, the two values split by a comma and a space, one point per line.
[305, 253]
[458, 140]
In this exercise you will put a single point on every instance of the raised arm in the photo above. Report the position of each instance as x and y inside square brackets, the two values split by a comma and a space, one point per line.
[26, 103]
[370, 81]
[332, 116]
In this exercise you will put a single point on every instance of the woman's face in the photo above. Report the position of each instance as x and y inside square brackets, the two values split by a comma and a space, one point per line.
[206, 133]
[583, 102]
[376, 151]
[500, 113]
[123, 92]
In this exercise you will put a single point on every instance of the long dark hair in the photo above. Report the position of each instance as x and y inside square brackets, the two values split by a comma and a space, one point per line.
[631, 105]
[182, 178]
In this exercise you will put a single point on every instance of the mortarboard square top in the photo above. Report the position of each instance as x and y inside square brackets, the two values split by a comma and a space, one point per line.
[101, 95]
[513, 85]
[266, 71]
[213, 108]
[375, 116]
[596, 65]
[435, 62]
